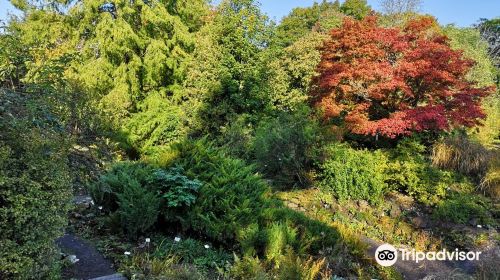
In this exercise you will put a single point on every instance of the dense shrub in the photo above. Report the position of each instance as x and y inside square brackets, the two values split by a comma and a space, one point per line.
[291, 267]
[159, 123]
[232, 196]
[236, 138]
[105, 190]
[462, 208]
[295, 268]
[279, 238]
[410, 172]
[234, 207]
[283, 148]
[138, 208]
[176, 190]
[139, 192]
[145, 267]
[248, 268]
[353, 174]
[35, 187]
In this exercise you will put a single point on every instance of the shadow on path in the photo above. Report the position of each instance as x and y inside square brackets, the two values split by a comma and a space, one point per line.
[90, 264]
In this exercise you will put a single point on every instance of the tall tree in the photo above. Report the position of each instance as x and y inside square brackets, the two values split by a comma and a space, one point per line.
[358, 9]
[301, 21]
[391, 82]
[133, 56]
[490, 32]
[227, 73]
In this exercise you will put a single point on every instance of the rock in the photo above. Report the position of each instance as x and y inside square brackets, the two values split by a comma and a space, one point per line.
[419, 222]
[72, 259]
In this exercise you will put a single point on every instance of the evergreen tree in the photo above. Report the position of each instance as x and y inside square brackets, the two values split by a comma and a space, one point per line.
[358, 9]
[227, 76]
[133, 56]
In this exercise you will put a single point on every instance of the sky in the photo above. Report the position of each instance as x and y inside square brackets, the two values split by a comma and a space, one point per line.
[460, 12]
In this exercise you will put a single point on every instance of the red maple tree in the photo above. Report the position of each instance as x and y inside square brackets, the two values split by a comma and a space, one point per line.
[391, 82]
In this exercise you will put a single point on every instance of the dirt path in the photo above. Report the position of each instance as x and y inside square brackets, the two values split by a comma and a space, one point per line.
[90, 264]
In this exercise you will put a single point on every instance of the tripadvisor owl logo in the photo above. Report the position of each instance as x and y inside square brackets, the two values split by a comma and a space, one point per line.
[386, 255]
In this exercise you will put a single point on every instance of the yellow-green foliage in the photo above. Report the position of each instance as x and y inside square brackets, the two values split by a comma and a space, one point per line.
[469, 41]
[483, 73]
[295, 268]
[279, 237]
[146, 267]
[159, 123]
[292, 267]
[35, 187]
[354, 174]
[248, 268]
[490, 183]
[461, 208]
[292, 71]
[488, 133]
[409, 171]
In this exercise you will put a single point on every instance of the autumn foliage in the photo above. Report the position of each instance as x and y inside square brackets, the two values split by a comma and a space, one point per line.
[392, 82]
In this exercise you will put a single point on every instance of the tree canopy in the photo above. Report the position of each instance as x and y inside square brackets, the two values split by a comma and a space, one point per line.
[383, 81]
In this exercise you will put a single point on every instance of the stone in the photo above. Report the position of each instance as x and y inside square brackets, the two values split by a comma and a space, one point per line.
[419, 222]
[73, 259]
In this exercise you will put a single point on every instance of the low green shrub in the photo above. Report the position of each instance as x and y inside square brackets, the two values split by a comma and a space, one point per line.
[292, 267]
[138, 208]
[295, 268]
[192, 251]
[409, 171]
[279, 237]
[248, 268]
[139, 192]
[177, 191]
[105, 190]
[146, 267]
[234, 205]
[232, 196]
[463, 208]
[283, 148]
[236, 138]
[353, 174]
